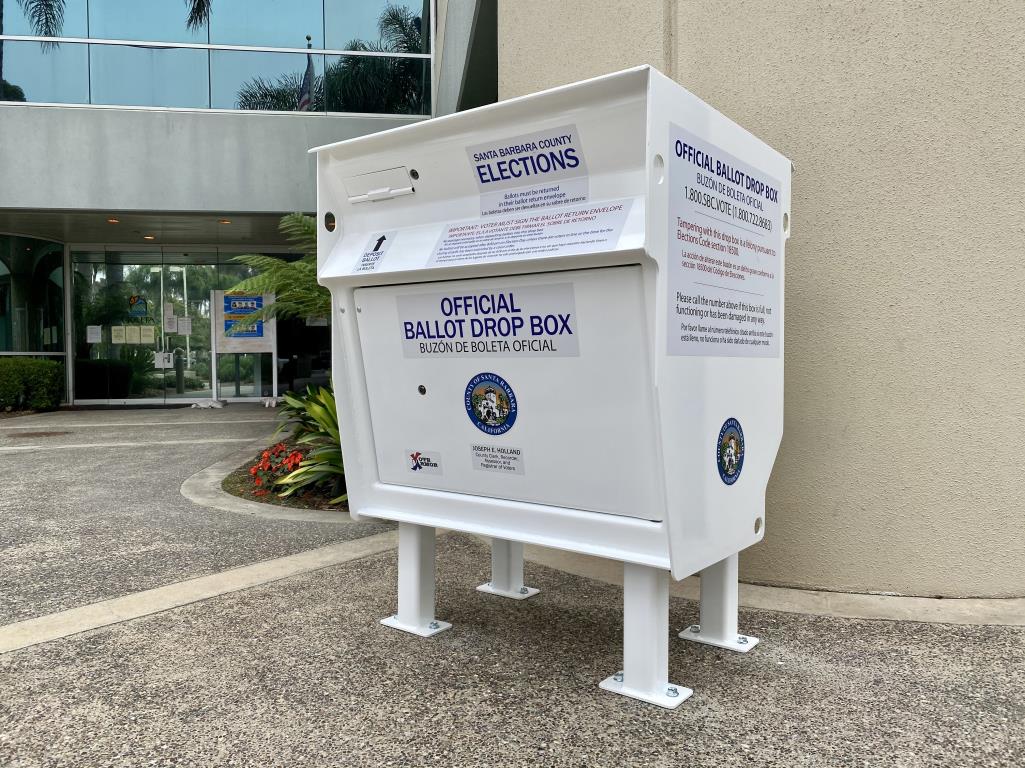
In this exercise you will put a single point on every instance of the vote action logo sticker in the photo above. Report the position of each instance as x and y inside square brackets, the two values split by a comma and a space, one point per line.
[490, 403]
[729, 451]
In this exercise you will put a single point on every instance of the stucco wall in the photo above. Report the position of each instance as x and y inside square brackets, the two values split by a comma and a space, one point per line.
[165, 160]
[901, 469]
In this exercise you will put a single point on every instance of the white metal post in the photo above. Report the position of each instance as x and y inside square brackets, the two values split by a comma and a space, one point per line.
[416, 583]
[645, 673]
[507, 571]
[719, 604]
[214, 383]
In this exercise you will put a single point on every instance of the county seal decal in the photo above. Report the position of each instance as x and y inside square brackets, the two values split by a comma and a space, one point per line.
[729, 451]
[490, 403]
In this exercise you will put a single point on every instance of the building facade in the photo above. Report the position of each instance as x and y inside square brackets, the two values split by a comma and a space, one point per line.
[899, 470]
[145, 145]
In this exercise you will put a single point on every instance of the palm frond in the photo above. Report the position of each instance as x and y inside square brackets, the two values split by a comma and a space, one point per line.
[46, 18]
[293, 283]
[199, 13]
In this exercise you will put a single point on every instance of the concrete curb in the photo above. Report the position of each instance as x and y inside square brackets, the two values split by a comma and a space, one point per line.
[982, 611]
[204, 488]
[44, 629]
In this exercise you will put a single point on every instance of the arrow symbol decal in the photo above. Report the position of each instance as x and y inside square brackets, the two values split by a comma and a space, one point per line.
[380, 240]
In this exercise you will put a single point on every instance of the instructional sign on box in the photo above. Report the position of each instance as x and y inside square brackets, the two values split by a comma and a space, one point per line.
[725, 241]
[374, 251]
[516, 321]
[530, 171]
[576, 230]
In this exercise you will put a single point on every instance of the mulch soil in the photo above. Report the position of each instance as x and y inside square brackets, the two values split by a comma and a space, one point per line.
[240, 483]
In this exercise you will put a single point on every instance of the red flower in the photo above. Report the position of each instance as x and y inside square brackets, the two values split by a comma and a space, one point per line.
[258, 481]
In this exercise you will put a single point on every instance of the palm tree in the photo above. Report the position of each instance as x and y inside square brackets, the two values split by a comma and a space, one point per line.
[293, 283]
[359, 83]
[47, 20]
[282, 94]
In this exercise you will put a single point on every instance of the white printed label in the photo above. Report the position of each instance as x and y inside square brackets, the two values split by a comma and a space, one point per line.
[559, 233]
[377, 246]
[535, 170]
[423, 462]
[513, 321]
[498, 458]
[725, 241]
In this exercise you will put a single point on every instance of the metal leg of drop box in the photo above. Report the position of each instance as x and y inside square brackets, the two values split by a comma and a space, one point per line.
[645, 673]
[719, 602]
[416, 583]
[507, 571]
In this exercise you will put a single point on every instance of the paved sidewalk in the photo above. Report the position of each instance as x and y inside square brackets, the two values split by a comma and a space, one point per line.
[91, 506]
[300, 672]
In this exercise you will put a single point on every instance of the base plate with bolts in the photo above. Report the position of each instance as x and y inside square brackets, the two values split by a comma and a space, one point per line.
[738, 643]
[669, 698]
[432, 628]
[517, 594]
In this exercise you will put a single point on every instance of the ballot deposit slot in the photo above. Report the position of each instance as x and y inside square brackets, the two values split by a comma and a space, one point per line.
[558, 320]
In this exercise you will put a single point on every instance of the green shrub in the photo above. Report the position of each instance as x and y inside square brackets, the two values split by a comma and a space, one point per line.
[29, 383]
[313, 419]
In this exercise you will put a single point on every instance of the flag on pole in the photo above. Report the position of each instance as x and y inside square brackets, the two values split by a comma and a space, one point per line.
[306, 89]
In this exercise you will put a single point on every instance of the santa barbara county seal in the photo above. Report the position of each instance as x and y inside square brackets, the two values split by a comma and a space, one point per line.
[729, 451]
[490, 403]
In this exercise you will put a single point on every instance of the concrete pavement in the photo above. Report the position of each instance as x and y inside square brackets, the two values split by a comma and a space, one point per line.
[149, 630]
[92, 509]
[300, 672]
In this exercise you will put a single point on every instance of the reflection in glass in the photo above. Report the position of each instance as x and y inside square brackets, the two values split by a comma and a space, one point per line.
[31, 295]
[379, 84]
[271, 81]
[245, 375]
[166, 21]
[187, 287]
[52, 74]
[149, 76]
[399, 26]
[56, 18]
[267, 23]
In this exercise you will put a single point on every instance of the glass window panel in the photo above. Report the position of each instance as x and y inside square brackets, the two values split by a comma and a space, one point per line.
[379, 84]
[31, 295]
[370, 25]
[149, 76]
[256, 80]
[268, 23]
[56, 74]
[245, 375]
[188, 280]
[159, 20]
[70, 23]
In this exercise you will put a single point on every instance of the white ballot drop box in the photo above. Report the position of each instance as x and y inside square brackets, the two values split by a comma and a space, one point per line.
[558, 320]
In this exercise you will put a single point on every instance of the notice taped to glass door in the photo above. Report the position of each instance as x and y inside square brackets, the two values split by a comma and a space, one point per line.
[725, 241]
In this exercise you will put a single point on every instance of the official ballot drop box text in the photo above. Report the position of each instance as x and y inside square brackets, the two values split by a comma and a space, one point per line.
[558, 320]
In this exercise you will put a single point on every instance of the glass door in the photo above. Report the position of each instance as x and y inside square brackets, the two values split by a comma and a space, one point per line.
[142, 325]
[185, 318]
[117, 331]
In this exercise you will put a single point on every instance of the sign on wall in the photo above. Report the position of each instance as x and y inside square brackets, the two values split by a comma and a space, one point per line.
[234, 334]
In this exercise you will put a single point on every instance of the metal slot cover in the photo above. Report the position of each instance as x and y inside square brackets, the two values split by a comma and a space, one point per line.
[379, 185]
